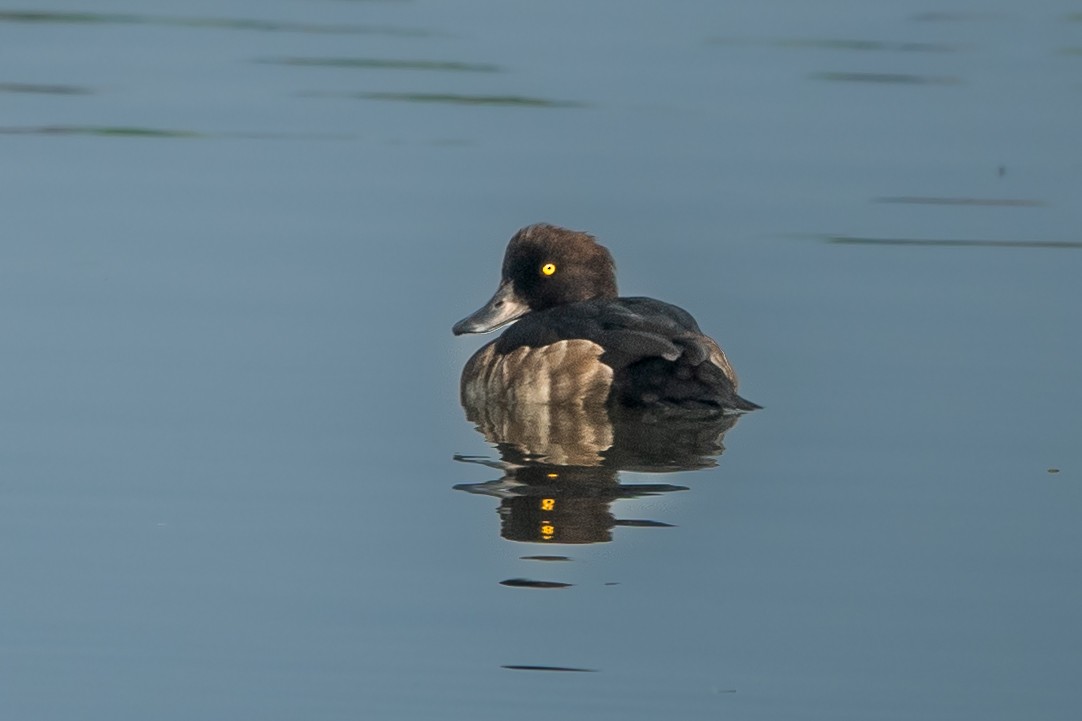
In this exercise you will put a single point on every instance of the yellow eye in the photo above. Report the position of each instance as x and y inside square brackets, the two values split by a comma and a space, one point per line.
[548, 268]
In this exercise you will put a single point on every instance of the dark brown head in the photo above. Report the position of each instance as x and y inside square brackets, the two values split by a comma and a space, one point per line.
[545, 266]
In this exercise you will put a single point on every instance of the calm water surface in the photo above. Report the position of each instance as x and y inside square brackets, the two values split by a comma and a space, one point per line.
[237, 482]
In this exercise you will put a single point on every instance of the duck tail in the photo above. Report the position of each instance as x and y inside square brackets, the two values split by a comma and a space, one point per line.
[735, 404]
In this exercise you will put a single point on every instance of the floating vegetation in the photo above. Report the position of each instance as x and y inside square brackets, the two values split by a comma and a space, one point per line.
[952, 243]
[887, 78]
[384, 64]
[455, 99]
[83, 18]
[572, 669]
[839, 44]
[529, 583]
[39, 88]
[931, 200]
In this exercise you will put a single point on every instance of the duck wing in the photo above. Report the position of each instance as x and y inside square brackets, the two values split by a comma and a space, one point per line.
[656, 350]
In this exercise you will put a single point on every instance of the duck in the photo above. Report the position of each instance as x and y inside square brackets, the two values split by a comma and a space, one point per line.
[572, 340]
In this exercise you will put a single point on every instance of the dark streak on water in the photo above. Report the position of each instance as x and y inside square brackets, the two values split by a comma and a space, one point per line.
[529, 583]
[453, 99]
[138, 132]
[951, 243]
[517, 667]
[44, 89]
[948, 17]
[886, 78]
[931, 200]
[545, 558]
[847, 44]
[83, 18]
[384, 64]
[108, 131]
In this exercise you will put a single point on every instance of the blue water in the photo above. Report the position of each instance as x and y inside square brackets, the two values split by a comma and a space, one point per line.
[236, 236]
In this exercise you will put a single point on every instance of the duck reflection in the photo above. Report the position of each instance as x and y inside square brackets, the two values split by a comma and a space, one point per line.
[561, 464]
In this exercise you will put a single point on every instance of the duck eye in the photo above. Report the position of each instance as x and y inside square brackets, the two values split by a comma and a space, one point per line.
[548, 268]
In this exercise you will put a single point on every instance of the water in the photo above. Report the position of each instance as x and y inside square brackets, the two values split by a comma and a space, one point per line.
[236, 236]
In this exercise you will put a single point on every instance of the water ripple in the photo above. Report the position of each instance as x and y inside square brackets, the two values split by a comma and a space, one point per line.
[936, 200]
[530, 583]
[521, 667]
[454, 99]
[886, 78]
[849, 44]
[952, 243]
[44, 89]
[384, 64]
[122, 131]
[87, 18]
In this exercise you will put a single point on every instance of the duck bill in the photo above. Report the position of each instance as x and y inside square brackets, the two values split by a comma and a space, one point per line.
[503, 308]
